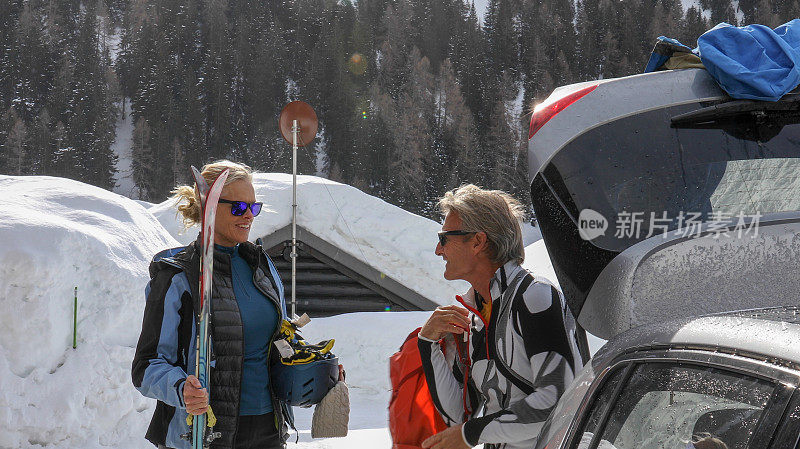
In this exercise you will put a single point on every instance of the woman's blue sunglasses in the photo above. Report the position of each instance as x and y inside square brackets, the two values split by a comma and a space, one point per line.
[238, 208]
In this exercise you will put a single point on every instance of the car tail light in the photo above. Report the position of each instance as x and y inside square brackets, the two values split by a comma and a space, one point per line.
[545, 111]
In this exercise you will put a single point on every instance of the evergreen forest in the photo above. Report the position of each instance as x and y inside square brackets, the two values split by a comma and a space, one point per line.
[414, 97]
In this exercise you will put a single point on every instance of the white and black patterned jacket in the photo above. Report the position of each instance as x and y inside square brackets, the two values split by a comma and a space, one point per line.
[531, 338]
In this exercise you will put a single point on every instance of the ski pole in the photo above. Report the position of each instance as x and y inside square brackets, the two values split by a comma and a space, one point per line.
[75, 321]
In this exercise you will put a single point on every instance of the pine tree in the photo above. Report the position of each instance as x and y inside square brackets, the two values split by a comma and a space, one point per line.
[395, 49]
[434, 24]
[262, 90]
[498, 141]
[178, 164]
[216, 78]
[379, 139]
[412, 136]
[666, 19]
[693, 26]
[503, 140]
[471, 66]
[563, 37]
[457, 130]
[33, 72]
[590, 31]
[8, 20]
[91, 124]
[501, 44]
[14, 147]
[748, 7]
[65, 157]
[329, 86]
[624, 40]
[371, 15]
[765, 13]
[721, 11]
[142, 160]
[39, 145]
[793, 10]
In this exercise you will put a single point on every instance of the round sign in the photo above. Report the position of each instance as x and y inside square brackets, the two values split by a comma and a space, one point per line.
[306, 122]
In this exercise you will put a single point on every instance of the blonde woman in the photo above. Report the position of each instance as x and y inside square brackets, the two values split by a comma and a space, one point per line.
[246, 311]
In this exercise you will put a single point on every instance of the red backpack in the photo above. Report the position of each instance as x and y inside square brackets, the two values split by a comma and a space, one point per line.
[412, 415]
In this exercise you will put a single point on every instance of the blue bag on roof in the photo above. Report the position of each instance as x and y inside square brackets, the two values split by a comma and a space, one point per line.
[752, 62]
[664, 49]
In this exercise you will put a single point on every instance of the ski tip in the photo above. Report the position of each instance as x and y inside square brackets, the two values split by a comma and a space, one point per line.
[202, 185]
[222, 178]
[211, 191]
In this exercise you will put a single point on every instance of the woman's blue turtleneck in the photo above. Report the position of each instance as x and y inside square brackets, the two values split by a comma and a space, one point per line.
[259, 319]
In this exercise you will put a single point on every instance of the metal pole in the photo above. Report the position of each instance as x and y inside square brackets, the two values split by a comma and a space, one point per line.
[75, 321]
[295, 130]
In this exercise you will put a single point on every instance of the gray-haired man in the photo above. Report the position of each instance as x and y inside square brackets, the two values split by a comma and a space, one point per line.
[511, 350]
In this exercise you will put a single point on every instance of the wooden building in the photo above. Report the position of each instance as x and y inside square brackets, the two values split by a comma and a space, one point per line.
[332, 281]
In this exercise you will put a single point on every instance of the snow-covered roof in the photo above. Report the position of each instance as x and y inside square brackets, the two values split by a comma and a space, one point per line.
[390, 239]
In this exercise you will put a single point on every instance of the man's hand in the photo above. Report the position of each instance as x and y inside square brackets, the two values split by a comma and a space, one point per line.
[449, 438]
[453, 319]
[195, 396]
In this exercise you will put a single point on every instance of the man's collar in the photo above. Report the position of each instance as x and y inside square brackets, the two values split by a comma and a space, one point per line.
[499, 282]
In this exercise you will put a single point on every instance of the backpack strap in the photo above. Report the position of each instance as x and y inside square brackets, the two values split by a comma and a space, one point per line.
[518, 381]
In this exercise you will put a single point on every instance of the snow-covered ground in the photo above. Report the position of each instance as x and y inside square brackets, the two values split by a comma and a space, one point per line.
[57, 234]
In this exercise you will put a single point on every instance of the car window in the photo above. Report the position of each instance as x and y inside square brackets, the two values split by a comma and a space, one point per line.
[646, 177]
[788, 435]
[665, 406]
[599, 405]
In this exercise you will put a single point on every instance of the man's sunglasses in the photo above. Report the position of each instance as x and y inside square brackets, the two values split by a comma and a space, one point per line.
[443, 235]
[238, 208]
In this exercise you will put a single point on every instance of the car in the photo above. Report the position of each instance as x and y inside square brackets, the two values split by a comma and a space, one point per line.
[730, 376]
[671, 213]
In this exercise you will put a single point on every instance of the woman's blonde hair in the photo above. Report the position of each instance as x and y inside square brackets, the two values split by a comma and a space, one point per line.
[190, 212]
[494, 212]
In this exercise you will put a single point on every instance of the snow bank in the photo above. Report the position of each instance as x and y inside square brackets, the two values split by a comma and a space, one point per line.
[58, 234]
[394, 241]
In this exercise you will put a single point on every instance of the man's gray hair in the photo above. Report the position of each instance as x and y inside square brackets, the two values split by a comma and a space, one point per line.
[494, 212]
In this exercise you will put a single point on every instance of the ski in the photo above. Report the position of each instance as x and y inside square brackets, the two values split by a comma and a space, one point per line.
[209, 198]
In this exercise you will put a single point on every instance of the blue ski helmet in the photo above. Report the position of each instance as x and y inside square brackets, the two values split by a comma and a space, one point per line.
[304, 385]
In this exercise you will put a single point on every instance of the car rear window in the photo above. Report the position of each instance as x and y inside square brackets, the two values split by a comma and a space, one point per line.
[646, 175]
